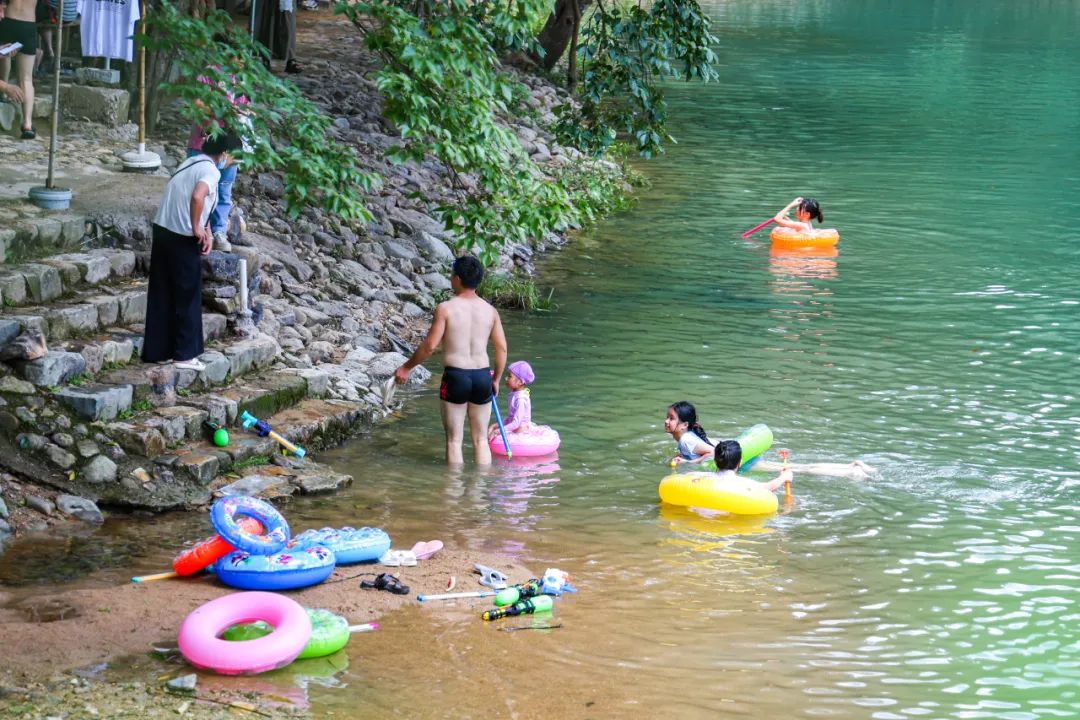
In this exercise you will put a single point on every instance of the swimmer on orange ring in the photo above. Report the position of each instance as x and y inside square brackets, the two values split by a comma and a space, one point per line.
[806, 210]
[800, 232]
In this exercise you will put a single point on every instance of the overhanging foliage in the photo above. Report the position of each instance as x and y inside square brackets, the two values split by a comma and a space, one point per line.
[285, 130]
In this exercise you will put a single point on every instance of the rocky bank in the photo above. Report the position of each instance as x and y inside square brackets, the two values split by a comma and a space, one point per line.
[334, 308]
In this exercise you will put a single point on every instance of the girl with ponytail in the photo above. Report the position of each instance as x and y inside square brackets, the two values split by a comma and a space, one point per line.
[682, 424]
[806, 210]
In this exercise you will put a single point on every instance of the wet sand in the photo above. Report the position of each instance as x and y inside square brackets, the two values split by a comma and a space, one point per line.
[55, 632]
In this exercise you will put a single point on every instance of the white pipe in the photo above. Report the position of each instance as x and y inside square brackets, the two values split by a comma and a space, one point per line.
[457, 595]
[243, 287]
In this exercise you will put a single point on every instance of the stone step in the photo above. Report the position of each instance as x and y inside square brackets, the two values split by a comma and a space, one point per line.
[86, 312]
[96, 402]
[321, 422]
[105, 351]
[225, 363]
[116, 347]
[31, 237]
[55, 368]
[51, 278]
[285, 476]
[150, 433]
[108, 350]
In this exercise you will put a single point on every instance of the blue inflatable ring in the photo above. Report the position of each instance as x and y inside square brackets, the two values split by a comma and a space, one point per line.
[292, 568]
[350, 545]
[223, 516]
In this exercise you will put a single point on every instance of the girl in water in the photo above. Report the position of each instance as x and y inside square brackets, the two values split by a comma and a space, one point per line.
[728, 457]
[519, 408]
[806, 210]
[682, 424]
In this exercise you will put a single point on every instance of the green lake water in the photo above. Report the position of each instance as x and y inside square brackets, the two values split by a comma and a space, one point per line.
[942, 141]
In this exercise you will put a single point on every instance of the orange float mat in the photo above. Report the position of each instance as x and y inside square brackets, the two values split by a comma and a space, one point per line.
[788, 238]
[209, 550]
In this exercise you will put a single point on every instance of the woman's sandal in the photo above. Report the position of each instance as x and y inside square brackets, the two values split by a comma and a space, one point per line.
[29, 133]
[387, 582]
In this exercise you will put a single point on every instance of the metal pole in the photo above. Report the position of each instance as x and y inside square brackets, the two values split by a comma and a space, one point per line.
[253, 3]
[56, 93]
[244, 287]
[140, 160]
[142, 85]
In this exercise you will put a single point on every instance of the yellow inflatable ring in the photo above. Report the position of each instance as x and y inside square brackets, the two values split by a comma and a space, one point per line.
[788, 238]
[727, 492]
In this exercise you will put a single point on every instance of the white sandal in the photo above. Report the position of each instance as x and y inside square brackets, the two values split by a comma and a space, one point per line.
[398, 558]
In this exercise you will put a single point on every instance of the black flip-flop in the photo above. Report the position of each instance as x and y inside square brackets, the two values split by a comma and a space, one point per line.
[29, 133]
[387, 582]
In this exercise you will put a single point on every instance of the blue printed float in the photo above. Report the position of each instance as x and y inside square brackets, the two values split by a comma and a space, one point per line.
[350, 545]
[294, 567]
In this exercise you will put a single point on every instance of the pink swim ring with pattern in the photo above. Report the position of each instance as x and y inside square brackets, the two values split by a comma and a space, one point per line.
[536, 441]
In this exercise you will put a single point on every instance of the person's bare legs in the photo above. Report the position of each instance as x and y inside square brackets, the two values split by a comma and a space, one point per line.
[479, 415]
[24, 67]
[453, 420]
[5, 68]
[46, 50]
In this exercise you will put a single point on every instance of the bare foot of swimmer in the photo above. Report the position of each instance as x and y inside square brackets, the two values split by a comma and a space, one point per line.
[861, 471]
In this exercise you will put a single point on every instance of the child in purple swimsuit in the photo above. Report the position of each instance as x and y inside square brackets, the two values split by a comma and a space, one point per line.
[519, 413]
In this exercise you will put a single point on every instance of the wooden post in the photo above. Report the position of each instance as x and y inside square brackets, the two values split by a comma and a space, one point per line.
[56, 92]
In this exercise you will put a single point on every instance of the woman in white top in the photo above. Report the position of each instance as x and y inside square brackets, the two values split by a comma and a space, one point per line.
[181, 237]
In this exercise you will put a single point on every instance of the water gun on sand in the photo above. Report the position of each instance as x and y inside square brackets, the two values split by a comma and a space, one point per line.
[263, 429]
[541, 603]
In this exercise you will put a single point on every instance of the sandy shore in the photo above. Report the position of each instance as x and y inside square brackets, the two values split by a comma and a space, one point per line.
[50, 639]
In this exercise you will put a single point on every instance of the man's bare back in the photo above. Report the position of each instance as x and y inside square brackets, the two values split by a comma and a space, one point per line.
[469, 321]
[21, 10]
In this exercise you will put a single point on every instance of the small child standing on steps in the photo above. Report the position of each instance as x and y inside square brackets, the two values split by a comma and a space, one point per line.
[519, 407]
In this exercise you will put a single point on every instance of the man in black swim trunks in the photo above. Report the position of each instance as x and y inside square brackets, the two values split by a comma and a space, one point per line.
[17, 25]
[464, 326]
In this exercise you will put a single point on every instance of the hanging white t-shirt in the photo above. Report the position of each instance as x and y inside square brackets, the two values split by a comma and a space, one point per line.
[175, 210]
[108, 27]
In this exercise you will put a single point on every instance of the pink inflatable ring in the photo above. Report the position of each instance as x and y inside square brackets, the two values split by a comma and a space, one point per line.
[536, 442]
[202, 646]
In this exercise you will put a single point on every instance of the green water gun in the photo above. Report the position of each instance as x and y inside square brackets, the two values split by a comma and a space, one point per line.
[521, 591]
[541, 603]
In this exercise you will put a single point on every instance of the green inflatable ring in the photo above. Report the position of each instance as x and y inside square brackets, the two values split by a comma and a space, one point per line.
[329, 633]
[754, 442]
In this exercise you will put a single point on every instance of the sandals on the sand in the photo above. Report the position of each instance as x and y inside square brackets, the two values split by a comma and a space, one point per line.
[491, 577]
[396, 558]
[387, 582]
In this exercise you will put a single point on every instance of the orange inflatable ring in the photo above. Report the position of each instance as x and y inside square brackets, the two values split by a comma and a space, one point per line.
[208, 551]
[788, 238]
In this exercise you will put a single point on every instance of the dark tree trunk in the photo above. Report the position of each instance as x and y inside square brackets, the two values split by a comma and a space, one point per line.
[560, 30]
[571, 64]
